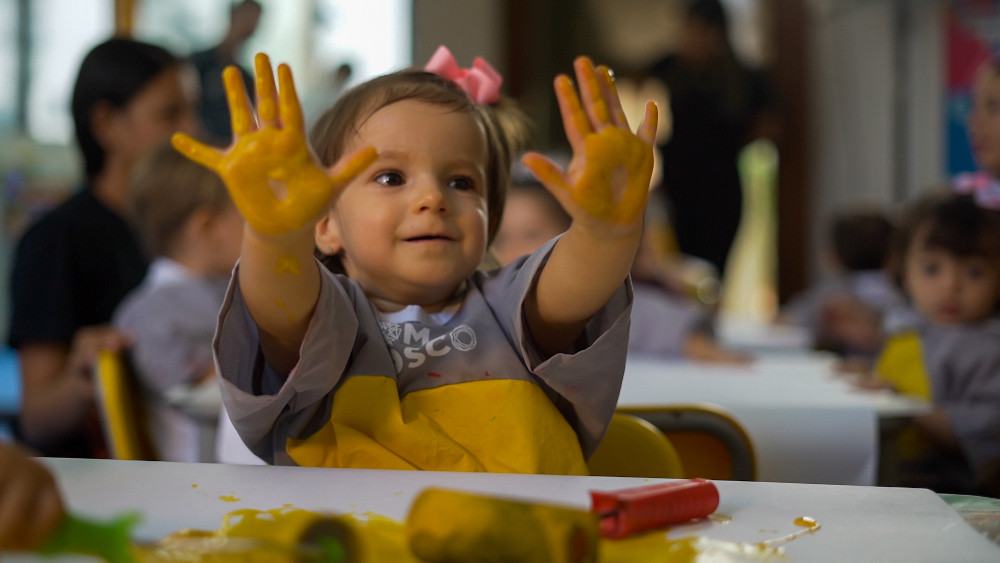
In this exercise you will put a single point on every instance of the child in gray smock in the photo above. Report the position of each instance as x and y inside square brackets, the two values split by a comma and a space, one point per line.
[190, 225]
[844, 313]
[410, 356]
[947, 348]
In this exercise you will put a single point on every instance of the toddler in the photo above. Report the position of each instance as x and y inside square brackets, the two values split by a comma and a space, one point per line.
[416, 358]
[844, 314]
[947, 349]
[192, 229]
[531, 217]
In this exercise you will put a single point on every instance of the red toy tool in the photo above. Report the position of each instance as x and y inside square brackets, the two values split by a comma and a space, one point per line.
[629, 511]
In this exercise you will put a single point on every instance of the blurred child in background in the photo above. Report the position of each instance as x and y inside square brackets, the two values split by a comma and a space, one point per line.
[663, 323]
[844, 313]
[947, 350]
[192, 229]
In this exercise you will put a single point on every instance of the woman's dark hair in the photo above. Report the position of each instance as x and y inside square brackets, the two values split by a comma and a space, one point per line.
[712, 12]
[113, 73]
[504, 125]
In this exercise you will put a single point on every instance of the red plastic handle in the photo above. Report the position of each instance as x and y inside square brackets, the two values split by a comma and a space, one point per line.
[629, 511]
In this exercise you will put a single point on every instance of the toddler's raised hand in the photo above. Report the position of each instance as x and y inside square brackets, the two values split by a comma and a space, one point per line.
[272, 175]
[607, 180]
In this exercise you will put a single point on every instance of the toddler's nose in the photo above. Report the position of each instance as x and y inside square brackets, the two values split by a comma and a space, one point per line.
[430, 195]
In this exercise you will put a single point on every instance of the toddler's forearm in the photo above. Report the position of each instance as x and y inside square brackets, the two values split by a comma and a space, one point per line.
[279, 280]
[581, 275]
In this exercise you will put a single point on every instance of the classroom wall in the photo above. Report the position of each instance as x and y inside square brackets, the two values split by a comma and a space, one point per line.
[468, 29]
[877, 98]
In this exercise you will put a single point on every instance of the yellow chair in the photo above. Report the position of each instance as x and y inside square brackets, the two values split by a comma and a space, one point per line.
[121, 409]
[711, 443]
[633, 447]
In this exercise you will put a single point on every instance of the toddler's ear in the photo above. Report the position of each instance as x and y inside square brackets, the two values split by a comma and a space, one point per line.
[327, 235]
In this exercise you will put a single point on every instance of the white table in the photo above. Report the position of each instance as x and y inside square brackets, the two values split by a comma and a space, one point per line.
[807, 424]
[857, 523]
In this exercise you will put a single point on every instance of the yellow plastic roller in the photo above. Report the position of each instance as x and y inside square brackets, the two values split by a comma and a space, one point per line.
[445, 526]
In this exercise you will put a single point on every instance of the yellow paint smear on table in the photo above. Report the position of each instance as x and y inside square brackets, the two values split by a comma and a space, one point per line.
[249, 535]
[229, 498]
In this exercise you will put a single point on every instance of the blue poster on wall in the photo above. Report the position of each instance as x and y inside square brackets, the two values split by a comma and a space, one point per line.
[973, 35]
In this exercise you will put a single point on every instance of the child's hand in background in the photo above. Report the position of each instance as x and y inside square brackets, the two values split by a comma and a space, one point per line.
[30, 504]
[273, 177]
[606, 184]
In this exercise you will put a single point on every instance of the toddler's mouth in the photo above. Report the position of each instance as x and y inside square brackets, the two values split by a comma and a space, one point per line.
[422, 238]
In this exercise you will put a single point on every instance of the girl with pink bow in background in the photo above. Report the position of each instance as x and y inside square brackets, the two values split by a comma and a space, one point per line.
[397, 348]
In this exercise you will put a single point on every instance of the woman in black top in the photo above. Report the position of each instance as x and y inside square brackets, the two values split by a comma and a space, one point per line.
[76, 263]
[717, 105]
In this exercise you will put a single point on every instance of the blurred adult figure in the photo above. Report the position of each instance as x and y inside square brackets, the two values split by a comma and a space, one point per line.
[213, 109]
[75, 264]
[718, 105]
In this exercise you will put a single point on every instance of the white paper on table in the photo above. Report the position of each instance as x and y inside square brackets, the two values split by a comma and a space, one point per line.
[857, 523]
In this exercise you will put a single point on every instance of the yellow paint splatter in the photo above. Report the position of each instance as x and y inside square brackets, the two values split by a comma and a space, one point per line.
[806, 522]
[229, 498]
[287, 265]
[194, 485]
[274, 535]
[810, 525]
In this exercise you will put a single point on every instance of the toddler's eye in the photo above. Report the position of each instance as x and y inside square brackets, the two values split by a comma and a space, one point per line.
[389, 179]
[462, 183]
[975, 271]
[930, 268]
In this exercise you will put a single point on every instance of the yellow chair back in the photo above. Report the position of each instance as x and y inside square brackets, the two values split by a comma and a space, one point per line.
[633, 447]
[710, 442]
[121, 409]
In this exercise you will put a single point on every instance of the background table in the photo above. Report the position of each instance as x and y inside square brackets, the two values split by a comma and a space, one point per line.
[857, 523]
[807, 424]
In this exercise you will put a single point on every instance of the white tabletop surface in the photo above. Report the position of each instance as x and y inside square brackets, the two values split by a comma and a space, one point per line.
[808, 424]
[857, 523]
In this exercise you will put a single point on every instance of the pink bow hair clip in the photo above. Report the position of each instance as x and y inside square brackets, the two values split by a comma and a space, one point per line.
[984, 189]
[481, 82]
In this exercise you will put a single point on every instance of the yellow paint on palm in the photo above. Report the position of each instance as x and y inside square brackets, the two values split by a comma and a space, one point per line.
[611, 153]
[615, 183]
[274, 152]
